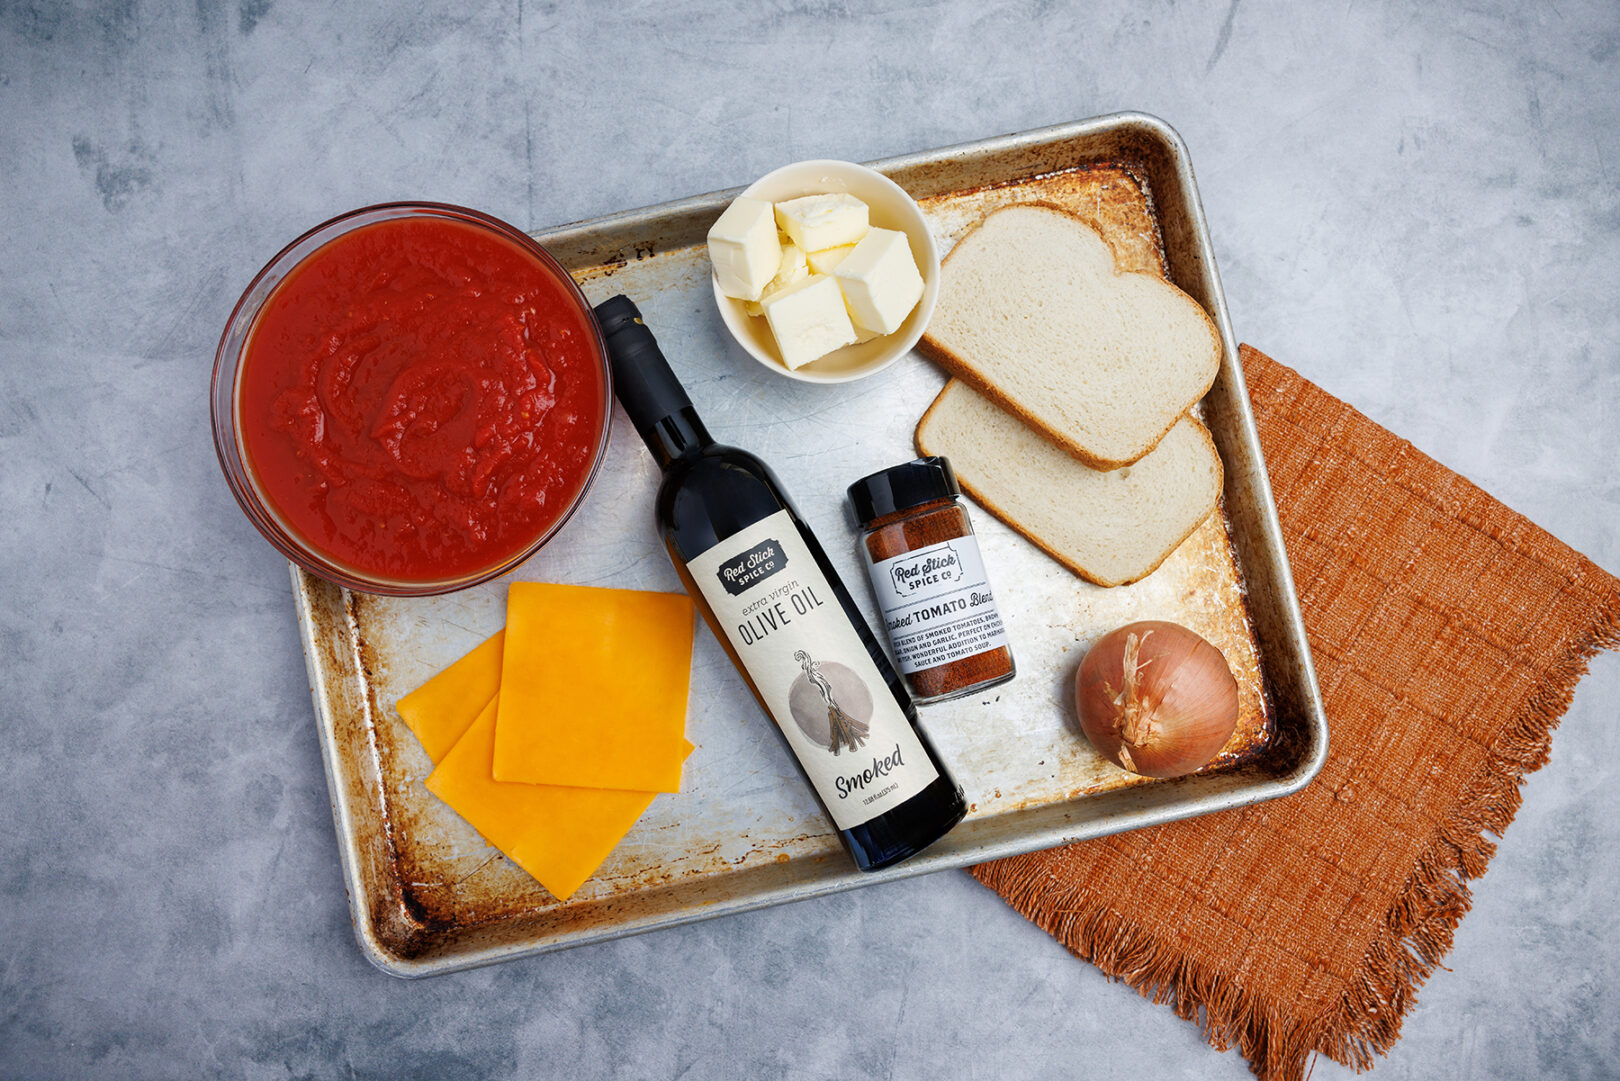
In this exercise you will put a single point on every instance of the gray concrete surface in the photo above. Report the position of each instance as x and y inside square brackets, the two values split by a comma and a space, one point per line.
[1415, 205]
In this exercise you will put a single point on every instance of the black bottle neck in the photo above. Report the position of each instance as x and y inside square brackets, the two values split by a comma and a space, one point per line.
[644, 384]
[676, 436]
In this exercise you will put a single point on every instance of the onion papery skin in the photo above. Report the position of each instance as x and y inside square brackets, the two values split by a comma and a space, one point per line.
[1156, 699]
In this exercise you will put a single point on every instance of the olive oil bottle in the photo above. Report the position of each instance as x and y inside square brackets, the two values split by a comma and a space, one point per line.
[772, 598]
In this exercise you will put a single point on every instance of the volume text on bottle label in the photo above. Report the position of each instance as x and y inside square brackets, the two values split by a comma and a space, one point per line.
[812, 671]
[936, 604]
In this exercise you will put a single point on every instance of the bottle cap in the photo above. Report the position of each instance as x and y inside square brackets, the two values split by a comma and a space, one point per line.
[902, 487]
[642, 380]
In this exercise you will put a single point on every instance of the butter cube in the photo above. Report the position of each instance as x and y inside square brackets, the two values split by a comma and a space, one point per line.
[827, 259]
[744, 249]
[862, 335]
[814, 222]
[794, 269]
[880, 280]
[809, 320]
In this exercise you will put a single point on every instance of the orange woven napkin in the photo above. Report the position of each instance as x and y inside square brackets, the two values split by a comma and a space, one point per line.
[1448, 634]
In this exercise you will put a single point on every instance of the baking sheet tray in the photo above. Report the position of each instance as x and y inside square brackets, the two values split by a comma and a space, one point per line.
[428, 896]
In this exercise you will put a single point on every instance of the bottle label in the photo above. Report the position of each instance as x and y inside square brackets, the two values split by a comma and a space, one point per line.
[936, 605]
[811, 671]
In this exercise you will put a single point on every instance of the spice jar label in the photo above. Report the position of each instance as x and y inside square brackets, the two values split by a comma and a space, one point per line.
[936, 604]
[811, 671]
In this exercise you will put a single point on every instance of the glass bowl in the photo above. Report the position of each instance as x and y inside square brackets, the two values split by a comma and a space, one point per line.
[236, 463]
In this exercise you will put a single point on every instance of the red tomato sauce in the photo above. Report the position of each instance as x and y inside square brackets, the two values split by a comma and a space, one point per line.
[420, 399]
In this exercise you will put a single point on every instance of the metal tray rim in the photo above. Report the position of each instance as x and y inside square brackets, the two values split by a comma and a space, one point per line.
[940, 858]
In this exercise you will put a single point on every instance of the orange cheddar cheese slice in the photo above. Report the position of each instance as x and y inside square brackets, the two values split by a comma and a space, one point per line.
[557, 834]
[441, 709]
[593, 687]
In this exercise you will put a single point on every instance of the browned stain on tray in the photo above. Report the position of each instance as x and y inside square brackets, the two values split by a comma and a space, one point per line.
[1112, 198]
[438, 886]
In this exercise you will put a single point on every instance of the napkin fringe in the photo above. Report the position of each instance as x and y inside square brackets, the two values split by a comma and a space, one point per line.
[1418, 929]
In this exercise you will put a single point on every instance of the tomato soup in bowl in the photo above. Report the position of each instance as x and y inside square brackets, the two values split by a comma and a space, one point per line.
[411, 399]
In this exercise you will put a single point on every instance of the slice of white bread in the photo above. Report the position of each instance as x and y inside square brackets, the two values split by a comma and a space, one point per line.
[1111, 528]
[1033, 313]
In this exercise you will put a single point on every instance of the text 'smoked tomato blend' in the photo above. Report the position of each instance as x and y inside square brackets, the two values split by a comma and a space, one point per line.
[421, 398]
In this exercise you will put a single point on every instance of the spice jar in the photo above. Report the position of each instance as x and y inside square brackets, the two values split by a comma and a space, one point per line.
[929, 581]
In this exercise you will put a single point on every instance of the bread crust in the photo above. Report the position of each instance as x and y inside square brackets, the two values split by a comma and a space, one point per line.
[1007, 519]
[964, 369]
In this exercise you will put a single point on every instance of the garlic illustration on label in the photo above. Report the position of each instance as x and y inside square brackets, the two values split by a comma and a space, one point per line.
[831, 704]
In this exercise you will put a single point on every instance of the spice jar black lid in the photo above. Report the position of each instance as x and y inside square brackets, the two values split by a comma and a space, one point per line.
[902, 487]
